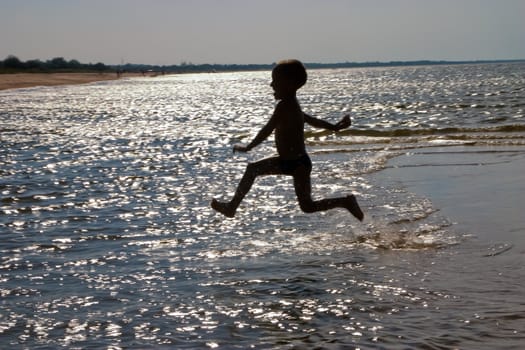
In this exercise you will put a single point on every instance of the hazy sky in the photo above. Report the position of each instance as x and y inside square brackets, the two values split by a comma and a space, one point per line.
[264, 31]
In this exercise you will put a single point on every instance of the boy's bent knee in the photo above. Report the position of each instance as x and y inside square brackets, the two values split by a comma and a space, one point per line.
[257, 169]
[307, 206]
[251, 168]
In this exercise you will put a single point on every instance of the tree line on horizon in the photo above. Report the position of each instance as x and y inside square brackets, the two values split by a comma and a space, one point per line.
[13, 64]
[58, 64]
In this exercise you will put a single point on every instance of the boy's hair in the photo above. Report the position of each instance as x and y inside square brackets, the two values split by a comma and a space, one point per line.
[292, 70]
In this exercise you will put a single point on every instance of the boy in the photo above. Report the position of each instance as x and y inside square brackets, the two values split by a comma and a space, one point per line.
[288, 123]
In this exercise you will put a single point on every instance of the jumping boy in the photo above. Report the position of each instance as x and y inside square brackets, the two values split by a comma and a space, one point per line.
[288, 123]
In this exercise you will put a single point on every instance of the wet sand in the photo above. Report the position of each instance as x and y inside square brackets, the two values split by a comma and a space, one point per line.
[24, 80]
[480, 189]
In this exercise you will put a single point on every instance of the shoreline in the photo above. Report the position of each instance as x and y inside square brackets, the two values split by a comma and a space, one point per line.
[28, 80]
[479, 188]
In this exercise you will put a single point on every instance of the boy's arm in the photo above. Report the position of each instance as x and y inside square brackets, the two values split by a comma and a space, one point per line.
[318, 123]
[260, 137]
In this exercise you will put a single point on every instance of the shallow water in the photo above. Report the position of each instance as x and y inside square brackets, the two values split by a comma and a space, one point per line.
[108, 239]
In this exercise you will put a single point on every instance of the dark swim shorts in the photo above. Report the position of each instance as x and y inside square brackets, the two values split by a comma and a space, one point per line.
[288, 166]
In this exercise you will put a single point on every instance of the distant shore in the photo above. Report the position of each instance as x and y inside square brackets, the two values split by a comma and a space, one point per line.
[25, 80]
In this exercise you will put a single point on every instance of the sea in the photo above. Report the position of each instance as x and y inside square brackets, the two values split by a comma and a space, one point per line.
[108, 241]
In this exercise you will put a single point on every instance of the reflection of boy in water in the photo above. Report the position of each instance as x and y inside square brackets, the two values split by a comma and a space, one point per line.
[288, 123]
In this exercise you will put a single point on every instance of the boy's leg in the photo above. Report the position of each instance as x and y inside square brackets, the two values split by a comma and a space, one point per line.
[303, 190]
[268, 166]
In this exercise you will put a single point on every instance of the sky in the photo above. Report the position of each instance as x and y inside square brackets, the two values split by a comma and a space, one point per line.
[168, 32]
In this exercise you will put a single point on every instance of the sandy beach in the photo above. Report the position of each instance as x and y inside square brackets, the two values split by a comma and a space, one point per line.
[24, 80]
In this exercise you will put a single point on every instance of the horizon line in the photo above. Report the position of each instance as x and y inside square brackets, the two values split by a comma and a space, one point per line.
[377, 62]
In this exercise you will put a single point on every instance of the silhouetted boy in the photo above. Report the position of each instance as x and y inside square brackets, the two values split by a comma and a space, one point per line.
[288, 123]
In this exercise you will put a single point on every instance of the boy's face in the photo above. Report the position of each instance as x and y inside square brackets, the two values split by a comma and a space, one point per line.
[281, 86]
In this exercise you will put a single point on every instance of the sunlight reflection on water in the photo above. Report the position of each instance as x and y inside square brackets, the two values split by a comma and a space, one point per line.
[108, 239]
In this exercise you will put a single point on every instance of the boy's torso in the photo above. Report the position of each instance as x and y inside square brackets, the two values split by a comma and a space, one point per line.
[289, 131]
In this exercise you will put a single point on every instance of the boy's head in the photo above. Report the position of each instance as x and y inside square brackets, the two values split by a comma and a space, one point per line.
[292, 71]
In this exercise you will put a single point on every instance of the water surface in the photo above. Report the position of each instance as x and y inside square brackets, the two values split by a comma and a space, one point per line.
[108, 241]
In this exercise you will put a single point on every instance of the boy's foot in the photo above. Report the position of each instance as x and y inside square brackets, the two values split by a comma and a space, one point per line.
[353, 207]
[223, 208]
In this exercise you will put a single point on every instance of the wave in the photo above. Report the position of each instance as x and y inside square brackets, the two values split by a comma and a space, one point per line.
[406, 132]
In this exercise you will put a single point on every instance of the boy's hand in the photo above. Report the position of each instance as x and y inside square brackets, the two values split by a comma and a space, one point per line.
[344, 123]
[240, 148]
